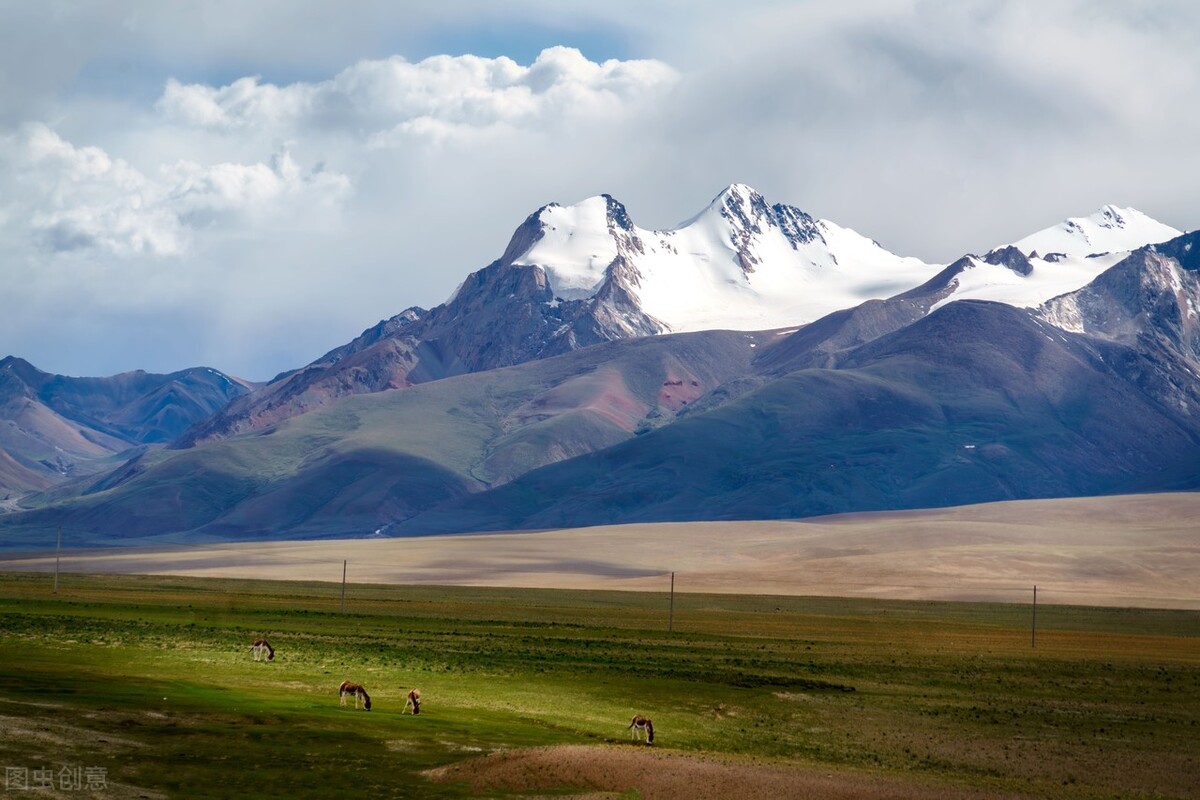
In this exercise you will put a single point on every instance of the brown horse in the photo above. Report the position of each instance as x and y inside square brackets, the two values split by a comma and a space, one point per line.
[358, 691]
[262, 647]
[414, 700]
[639, 724]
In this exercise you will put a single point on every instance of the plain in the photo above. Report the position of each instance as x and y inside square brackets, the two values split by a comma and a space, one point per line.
[530, 691]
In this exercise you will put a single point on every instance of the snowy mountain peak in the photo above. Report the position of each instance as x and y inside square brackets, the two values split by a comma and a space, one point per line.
[739, 189]
[1110, 215]
[797, 226]
[738, 204]
[741, 263]
[745, 207]
[1109, 229]
[1057, 260]
[578, 243]
[748, 213]
[737, 194]
[617, 215]
[589, 211]
[746, 264]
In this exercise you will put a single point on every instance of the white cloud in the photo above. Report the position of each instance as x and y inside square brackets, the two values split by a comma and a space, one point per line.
[942, 127]
[254, 225]
[80, 198]
[259, 221]
[257, 192]
[437, 96]
[244, 102]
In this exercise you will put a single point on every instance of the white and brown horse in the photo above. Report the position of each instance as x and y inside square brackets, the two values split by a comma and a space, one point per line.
[639, 724]
[356, 689]
[262, 648]
[414, 700]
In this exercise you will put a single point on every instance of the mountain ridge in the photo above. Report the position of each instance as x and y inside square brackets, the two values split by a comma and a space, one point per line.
[55, 427]
[572, 276]
[898, 425]
[543, 393]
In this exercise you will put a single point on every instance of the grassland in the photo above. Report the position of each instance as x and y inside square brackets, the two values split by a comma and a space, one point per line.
[529, 691]
[1123, 551]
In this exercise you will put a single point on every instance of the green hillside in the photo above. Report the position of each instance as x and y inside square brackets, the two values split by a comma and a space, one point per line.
[370, 460]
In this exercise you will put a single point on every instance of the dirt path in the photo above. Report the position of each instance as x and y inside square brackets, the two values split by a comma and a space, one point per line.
[605, 772]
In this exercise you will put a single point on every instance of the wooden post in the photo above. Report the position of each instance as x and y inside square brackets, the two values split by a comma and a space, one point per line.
[57, 549]
[1033, 628]
[671, 612]
[343, 606]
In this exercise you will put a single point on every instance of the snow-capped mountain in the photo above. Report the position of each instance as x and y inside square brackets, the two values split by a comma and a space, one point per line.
[1008, 275]
[579, 275]
[902, 402]
[1109, 230]
[1056, 260]
[739, 264]
[1150, 299]
[744, 264]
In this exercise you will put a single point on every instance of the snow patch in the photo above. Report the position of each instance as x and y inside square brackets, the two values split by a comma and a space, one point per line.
[1047, 279]
[575, 249]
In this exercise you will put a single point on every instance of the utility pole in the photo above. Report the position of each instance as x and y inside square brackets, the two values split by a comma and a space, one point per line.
[343, 606]
[1033, 629]
[671, 612]
[57, 550]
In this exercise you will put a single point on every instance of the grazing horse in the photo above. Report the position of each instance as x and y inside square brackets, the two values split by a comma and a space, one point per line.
[414, 700]
[358, 691]
[640, 723]
[262, 647]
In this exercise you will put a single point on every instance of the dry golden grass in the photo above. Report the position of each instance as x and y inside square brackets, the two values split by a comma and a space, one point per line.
[1137, 551]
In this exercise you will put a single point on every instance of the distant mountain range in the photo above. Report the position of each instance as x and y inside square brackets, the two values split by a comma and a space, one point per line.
[754, 362]
[54, 428]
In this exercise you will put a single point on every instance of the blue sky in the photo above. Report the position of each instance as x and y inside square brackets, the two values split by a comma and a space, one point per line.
[246, 185]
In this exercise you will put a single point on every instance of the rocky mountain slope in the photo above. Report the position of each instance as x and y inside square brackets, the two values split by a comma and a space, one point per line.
[974, 401]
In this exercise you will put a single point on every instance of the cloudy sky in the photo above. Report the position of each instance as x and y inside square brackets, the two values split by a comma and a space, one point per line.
[247, 184]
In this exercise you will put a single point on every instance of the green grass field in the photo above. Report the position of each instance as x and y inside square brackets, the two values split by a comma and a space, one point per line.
[151, 679]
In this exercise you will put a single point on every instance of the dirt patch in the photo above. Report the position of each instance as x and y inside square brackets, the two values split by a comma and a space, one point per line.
[52, 745]
[666, 775]
[21, 728]
[400, 746]
[55, 735]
